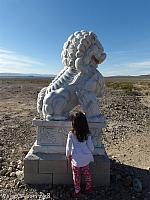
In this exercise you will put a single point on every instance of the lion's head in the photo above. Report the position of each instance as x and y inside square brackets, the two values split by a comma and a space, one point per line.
[82, 48]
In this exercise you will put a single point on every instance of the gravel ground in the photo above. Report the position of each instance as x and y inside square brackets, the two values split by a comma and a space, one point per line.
[126, 140]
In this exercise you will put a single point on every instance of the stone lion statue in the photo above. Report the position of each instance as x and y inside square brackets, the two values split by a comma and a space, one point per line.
[79, 83]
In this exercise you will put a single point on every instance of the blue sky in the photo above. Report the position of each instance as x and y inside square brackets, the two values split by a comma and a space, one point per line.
[32, 33]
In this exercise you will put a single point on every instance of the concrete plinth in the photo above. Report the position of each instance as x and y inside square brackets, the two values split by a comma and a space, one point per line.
[41, 168]
[46, 163]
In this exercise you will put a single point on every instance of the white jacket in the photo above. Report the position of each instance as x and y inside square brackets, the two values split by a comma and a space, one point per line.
[81, 151]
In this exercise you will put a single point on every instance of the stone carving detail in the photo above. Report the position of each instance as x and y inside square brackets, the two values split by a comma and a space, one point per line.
[47, 136]
[52, 135]
[96, 137]
[78, 83]
[64, 133]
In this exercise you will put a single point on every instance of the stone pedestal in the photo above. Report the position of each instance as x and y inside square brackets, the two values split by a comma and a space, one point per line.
[46, 163]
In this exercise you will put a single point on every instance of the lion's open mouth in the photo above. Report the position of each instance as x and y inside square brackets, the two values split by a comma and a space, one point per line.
[94, 58]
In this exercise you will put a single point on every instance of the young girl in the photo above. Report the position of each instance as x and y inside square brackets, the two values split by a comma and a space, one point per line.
[79, 150]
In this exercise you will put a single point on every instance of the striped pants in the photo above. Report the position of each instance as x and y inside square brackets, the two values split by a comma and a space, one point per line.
[76, 177]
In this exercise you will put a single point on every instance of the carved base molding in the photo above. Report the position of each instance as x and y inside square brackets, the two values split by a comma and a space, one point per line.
[52, 136]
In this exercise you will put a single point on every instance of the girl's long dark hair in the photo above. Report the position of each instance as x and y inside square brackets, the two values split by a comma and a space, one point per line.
[80, 126]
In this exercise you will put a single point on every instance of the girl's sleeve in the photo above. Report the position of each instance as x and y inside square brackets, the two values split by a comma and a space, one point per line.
[69, 145]
[90, 143]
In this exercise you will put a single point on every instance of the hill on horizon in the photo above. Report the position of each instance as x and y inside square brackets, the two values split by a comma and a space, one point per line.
[146, 76]
[25, 75]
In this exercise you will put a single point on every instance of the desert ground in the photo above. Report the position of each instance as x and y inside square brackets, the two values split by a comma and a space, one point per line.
[126, 105]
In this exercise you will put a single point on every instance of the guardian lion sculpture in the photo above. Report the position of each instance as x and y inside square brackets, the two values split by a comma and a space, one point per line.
[79, 83]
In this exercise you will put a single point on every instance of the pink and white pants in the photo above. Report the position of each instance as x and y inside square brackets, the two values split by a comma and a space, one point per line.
[76, 177]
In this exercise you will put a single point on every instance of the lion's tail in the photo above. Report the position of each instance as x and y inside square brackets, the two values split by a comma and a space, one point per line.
[40, 98]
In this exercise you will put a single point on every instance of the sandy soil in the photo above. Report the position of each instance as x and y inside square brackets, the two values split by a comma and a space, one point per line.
[126, 140]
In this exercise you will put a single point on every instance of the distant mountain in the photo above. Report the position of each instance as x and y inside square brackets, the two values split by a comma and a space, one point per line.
[53, 76]
[26, 75]
[129, 77]
[145, 76]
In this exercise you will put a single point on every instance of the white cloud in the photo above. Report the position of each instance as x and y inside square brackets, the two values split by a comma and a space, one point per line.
[125, 69]
[140, 64]
[128, 62]
[12, 62]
